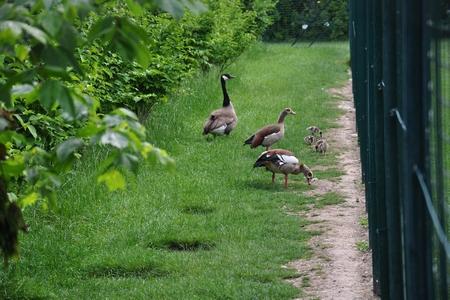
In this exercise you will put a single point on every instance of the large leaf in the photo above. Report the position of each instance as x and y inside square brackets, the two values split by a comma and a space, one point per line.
[13, 167]
[114, 139]
[64, 150]
[50, 91]
[52, 21]
[16, 28]
[113, 179]
[29, 199]
[104, 29]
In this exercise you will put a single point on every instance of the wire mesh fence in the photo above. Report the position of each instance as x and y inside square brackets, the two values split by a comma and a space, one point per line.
[400, 54]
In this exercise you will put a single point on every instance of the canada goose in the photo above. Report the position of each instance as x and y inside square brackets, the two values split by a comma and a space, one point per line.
[270, 134]
[321, 144]
[222, 120]
[283, 161]
[313, 129]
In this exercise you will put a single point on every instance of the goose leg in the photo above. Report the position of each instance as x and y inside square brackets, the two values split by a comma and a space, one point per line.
[285, 181]
[273, 177]
[267, 148]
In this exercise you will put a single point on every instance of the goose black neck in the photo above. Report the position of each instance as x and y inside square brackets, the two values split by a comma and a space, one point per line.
[226, 99]
[282, 116]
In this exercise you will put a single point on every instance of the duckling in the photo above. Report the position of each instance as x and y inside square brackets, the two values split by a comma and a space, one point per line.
[283, 161]
[313, 129]
[321, 144]
[310, 139]
[223, 120]
[270, 134]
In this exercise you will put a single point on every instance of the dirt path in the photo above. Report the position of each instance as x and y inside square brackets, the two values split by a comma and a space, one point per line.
[337, 270]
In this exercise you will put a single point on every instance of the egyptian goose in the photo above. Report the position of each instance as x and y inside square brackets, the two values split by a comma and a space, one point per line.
[283, 161]
[321, 144]
[222, 120]
[270, 134]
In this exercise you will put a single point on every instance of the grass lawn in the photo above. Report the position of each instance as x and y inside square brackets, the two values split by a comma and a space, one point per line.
[214, 228]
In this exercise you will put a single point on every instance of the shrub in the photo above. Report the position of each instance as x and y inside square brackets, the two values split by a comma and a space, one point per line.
[290, 15]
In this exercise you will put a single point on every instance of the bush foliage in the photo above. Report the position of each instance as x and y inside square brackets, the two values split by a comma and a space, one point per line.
[326, 19]
[178, 48]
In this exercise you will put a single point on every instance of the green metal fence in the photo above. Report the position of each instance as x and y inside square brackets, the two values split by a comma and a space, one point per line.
[400, 52]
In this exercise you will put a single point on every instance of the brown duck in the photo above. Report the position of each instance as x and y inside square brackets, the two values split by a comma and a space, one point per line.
[283, 161]
[223, 120]
[270, 134]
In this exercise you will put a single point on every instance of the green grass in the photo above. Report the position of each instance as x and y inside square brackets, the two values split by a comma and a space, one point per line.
[213, 229]
[362, 246]
[364, 222]
[329, 199]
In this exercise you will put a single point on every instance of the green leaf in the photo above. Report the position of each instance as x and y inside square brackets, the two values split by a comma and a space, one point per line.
[135, 7]
[7, 136]
[104, 28]
[29, 199]
[67, 104]
[21, 90]
[50, 91]
[35, 32]
[21, 51]
[114, 139]
[113, 179]
[52, 22]
[126, 112]
[13, 167]
[32, 130]
[129, 161]
[57, 60]
[89, 130]
[68, 38]
[64, 150]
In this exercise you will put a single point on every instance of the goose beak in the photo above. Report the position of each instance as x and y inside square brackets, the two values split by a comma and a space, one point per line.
[293, 112]
[231, 76]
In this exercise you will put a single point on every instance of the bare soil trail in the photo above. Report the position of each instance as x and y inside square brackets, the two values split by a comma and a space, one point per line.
[337, 269]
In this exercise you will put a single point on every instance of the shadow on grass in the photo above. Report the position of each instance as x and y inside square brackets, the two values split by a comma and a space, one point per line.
[197, 209]
[183, 245]
[127, 272]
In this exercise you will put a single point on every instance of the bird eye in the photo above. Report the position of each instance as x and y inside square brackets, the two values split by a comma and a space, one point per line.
[310, 174]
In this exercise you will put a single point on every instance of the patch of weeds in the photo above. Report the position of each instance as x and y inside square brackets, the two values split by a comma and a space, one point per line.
[306, 281]
[329, 199]
[292, 276]
[364, 222]
[183, 245]
[315, 232]
[329, 174]
[362, 246]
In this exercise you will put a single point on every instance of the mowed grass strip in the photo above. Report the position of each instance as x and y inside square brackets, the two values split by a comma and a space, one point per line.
[214, 228]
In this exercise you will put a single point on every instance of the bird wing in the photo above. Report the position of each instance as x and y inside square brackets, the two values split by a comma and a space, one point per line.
[276, 156]
[217, 119]
[263, 132]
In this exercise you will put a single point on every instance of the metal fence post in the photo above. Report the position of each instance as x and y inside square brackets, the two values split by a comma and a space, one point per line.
[413, 149]
[391, 183]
